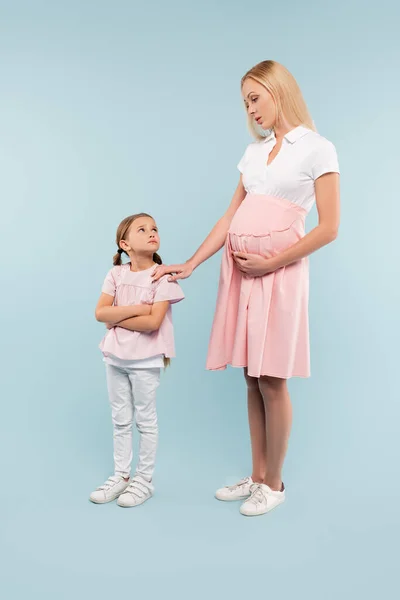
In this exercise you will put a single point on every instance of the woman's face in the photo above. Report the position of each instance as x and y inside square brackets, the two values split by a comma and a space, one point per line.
[259, 103]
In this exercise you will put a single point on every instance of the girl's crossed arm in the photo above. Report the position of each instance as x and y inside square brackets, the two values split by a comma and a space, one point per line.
[150, 322]
[107, 313]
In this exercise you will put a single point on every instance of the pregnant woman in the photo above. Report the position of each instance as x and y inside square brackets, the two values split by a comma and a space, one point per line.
[261, 317]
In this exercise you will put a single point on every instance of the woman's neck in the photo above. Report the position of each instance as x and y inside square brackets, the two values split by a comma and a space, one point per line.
[281, 129]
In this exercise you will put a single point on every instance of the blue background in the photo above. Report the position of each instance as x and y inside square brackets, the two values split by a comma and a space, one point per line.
[112, 108]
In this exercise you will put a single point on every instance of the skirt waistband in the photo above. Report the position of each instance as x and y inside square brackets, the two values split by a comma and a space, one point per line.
[286, 204]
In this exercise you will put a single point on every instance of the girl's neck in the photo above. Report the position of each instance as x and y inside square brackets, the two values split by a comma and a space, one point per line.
[141, 263]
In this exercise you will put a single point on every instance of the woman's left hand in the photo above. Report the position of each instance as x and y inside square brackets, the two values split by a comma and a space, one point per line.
[255, 265]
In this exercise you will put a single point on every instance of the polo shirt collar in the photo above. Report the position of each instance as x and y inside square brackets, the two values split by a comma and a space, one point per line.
[292, 136]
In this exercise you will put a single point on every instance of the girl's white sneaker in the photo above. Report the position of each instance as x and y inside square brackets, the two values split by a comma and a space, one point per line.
[111, 489]
[262, 500]
[138, 491]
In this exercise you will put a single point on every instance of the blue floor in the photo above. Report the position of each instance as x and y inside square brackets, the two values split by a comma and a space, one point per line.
[333, 538]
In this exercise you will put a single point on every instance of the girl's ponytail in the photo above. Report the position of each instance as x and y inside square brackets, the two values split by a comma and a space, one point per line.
[117, 258]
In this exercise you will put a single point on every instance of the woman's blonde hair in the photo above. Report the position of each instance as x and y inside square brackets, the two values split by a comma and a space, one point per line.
[285, 91]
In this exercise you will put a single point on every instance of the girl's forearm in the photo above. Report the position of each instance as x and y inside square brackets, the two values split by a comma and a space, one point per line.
[115, 314]
[143, 324]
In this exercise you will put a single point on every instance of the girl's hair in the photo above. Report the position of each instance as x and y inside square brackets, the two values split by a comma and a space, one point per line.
[285, 91]
[122, 231]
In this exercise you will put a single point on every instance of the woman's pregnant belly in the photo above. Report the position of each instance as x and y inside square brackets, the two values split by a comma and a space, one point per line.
[265, 224]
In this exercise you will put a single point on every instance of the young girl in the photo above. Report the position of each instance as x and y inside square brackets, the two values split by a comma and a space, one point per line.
[139, 342]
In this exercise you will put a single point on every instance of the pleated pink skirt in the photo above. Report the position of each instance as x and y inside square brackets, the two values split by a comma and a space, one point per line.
[262, 323]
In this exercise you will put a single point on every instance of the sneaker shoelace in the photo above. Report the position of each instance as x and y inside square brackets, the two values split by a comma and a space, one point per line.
[239, 484]
[257, 494]
[137, 489]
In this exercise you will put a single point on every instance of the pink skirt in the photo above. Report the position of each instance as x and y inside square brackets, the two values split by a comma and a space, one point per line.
[262, 322]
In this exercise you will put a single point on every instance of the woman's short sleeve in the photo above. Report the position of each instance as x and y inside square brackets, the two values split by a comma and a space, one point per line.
[325, 160]
[168, 291]
[243, 161]
[110, 283]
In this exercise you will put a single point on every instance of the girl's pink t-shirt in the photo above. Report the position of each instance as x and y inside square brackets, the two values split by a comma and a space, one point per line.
[129, 288]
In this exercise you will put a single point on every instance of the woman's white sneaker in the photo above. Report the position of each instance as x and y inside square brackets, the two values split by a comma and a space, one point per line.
[138, 491]
[111, 489]
[262, 500]
[239, 491]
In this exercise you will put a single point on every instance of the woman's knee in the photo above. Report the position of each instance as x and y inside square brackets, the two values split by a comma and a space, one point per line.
[272, 384]
[251, 382]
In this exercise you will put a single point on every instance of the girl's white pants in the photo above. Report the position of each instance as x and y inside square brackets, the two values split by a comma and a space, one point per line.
[132, 394]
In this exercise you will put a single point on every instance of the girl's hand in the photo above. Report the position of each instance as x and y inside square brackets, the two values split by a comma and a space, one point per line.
[255, 265]
[178, 271]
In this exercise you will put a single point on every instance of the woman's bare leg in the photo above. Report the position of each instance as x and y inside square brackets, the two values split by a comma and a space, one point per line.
[256, 411]
[278, 410]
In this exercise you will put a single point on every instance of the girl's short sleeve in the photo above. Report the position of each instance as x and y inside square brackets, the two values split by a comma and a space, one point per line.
[168, 291]
[325, 160]
[110, 283]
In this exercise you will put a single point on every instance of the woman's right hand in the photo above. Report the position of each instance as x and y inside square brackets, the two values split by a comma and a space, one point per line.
[177, 271]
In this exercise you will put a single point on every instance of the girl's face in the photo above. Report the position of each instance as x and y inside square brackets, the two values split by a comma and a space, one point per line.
[259, 103]
[142, 237]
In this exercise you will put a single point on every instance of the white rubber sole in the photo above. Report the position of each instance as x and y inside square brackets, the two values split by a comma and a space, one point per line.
[106, 501]
[264, 512]
[133, 505]
[237, 499]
